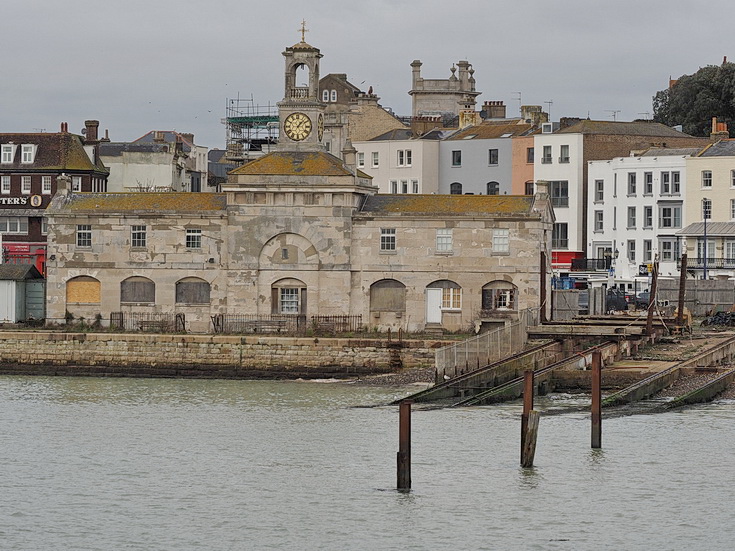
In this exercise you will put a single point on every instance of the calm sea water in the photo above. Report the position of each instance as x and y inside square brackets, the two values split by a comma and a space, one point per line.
[126, 464]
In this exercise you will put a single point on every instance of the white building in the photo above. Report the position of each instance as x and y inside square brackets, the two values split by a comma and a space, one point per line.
[400, 163]
[636, 207]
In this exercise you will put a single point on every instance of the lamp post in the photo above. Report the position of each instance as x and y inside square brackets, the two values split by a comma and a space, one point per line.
[706, 206]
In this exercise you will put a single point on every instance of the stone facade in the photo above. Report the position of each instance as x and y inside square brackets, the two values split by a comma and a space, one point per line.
[299, 232]
[443, 97]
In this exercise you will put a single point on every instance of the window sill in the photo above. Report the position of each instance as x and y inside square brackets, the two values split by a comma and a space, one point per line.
[444, 253]
[500, 253]
[452, 310]
[388, 252]
[492, 164]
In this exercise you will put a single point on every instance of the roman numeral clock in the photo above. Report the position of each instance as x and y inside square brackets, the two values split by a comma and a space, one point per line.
[297, 126]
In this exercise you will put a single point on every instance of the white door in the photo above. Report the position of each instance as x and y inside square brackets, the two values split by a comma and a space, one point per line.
[433, 305]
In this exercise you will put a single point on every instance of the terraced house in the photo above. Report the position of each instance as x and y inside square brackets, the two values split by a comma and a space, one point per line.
[29, 166]
[299, 232]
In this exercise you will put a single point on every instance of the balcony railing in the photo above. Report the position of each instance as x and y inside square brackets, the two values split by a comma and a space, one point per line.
[299, 92]
[591, 264]
[712, 263]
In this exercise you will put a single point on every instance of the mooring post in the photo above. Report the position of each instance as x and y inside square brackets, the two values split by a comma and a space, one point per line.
[404, 445]
[527, 407]
[652, 299]
[529, 447]
[596, 399]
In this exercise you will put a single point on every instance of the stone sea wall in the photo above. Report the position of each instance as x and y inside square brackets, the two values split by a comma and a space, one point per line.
[152, 355]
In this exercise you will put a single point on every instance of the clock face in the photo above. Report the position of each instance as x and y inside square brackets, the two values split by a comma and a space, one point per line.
[297, 126]
[320, 127]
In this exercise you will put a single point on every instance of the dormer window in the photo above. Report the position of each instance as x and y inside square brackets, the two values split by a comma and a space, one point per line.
[28, 153]
[7, 153]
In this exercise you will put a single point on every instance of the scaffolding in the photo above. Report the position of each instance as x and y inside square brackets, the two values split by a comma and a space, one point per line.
[251, 130]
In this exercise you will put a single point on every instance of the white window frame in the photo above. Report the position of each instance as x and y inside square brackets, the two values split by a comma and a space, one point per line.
[631, 250]
[404, 186]
[674, 217]
[706, 179]
[444, 243]
[76, 183]
[648, 183]
[333, 96]
[732, 209]
[387, 240]
[193, 238]
[675, 183]
[732, 178]
[46, 185]
[599, 191]
[27, 153]
[15, 225]
[325, 96]
[457, 157]
[394, 187]
[360, 159]
[376, 159]
[5, 185]
[647, 217]
[451, 299]
[414, 186]
[44, 225]
[647, 250]
[493, 157]
[289, 298]
[501, 241]
[7, 152]
[564, 154]
[546, 155]
[25, 185]
[84, 236]
[665, 183]
[138, 236]
[632, 183]
[599, 221]
[632, 218]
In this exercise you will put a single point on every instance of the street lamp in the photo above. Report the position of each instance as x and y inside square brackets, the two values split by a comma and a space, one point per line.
[706, 211]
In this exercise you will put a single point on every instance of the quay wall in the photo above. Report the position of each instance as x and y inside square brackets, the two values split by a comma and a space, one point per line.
[205, 356]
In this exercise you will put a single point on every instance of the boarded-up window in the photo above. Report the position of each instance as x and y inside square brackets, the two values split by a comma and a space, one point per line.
[192, 291]
[137, 289]
[387, 295]
[83, 289]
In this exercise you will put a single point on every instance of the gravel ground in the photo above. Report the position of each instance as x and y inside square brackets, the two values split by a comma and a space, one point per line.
[687, 384]
[403, 377]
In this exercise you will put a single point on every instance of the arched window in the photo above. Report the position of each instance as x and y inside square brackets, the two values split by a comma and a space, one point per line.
[451, 294]
[455, 188]
[493, 188]
[325, 96]
[83, 290]
[499, 295]
[288, 296]
[137, 289]
[387, 295]
[192, 290]
[333, 96]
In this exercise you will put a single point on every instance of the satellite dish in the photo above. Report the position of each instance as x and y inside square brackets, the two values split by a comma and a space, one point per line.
[84, 131]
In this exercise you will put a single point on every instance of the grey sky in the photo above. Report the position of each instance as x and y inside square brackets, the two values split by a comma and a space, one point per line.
[140, 65]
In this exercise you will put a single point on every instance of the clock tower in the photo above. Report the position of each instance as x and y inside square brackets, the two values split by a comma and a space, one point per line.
[301, 113]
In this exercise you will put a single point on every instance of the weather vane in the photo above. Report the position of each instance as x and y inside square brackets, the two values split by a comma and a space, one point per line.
[303, 30]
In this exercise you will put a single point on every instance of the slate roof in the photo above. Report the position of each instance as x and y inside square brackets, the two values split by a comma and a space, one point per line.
[18, 272]
[168, 136]
[123, 202]
[56, 151]
[492, 130]
[468, 205]
[670, 151]
[723, 148]
[406, 134]
[622, 128]
[296, 163]
[724, 229]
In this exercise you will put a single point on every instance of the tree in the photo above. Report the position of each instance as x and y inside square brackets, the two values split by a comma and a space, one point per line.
[694, 99]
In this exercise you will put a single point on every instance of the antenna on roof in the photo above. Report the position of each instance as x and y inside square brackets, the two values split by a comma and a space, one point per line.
[614, 113]
[646, 115]
[548, 109]
[520, 102]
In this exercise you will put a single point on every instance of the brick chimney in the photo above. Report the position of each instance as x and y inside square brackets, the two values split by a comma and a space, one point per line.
[719, 131]
[91, 128]
[494, 109]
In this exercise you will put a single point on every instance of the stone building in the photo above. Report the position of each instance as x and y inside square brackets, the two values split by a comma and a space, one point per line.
[299, 232]
[443, 97]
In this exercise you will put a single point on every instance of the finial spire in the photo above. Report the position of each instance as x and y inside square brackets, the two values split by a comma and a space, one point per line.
[303, 30]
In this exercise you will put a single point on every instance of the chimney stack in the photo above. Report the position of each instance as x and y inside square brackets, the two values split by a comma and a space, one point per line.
[719, 131]
[91, 128]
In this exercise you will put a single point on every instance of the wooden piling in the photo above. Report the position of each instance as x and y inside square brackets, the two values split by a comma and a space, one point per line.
[529, 445]
[527, 407]
[682, 291]
[404, 445]
[596, 399]
[652, 300]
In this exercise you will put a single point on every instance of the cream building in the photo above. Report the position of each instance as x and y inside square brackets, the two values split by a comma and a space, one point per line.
[299, 232]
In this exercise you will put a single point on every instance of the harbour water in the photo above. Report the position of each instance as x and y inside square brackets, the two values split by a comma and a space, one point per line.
[142, 464]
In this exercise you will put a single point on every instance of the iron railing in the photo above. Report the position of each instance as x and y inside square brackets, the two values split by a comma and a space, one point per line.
[285, 324]
[713, 263]
[487, 347]
[591, 264]
[156, 322]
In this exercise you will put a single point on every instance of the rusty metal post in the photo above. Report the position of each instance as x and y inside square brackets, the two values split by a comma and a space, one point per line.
[596, 399]
[527, 407]
[652, 299]
[682, 290]
[404, 445]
